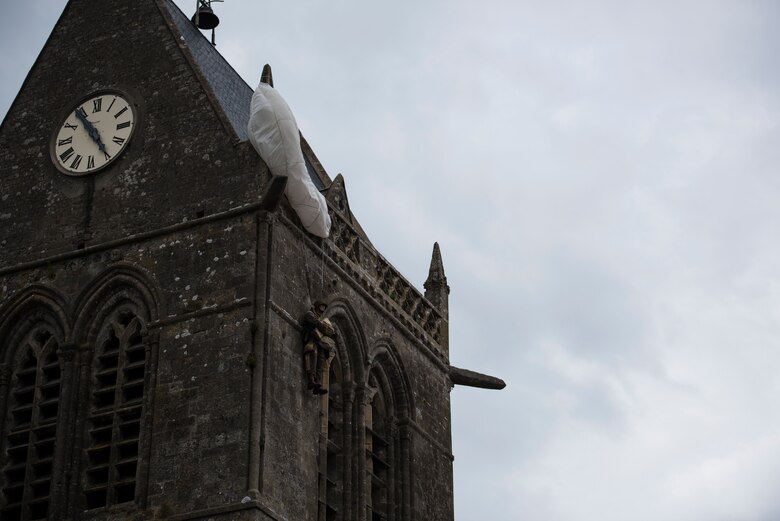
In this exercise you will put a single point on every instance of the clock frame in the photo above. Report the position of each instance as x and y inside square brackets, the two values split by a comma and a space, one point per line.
[93, 134]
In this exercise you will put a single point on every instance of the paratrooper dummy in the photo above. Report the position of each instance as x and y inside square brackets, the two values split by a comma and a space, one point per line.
[318, 344]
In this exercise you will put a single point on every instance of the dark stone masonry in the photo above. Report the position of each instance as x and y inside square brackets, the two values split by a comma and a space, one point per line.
[151, 361]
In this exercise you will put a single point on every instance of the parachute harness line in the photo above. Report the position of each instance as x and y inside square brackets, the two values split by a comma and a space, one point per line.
[308, 270]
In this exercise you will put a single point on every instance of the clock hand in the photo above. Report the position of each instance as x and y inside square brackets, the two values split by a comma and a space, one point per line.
[91, 130]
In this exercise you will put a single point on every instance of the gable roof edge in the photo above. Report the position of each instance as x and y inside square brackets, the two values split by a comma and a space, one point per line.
[35, 63]
[315, 162]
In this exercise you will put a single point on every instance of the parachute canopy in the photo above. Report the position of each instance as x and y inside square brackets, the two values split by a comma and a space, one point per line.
[274, 134]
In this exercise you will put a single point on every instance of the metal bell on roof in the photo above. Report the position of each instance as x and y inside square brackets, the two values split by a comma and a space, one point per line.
[204, 18]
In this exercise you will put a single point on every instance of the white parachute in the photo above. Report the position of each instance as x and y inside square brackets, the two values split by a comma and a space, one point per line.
[274, 134]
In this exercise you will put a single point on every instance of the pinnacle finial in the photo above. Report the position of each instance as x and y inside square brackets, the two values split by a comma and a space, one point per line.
[267, 76]
[436, 272]
[436, 289]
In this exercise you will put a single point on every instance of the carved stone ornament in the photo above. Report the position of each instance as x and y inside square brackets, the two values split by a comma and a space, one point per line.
[68, 352]
[392, 429]
[5, 374]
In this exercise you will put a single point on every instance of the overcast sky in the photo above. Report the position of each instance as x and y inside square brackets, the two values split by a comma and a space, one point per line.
[602, 177]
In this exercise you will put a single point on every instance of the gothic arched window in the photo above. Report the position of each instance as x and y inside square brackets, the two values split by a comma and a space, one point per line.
[379, 452]
[334, 466]
[114, 422]
[31, 427]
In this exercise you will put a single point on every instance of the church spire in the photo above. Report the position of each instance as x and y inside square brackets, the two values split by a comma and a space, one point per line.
[436, 289]
[267, 76]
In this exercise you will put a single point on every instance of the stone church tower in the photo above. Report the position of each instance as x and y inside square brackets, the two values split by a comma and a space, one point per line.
[152, 284]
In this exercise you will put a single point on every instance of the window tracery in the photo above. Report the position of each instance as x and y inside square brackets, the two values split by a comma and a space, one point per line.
[378, 453]
[33, 407]
[334, 466]
[114, 422]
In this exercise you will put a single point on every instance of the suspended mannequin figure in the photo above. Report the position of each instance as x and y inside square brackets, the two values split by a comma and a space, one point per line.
[318, 344]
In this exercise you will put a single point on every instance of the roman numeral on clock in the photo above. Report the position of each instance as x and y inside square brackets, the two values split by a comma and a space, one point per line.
[91, 162]
[97, 104]
[66, 155]
[118, 140]
[123, 125]
[124, 109]
[66, 141]
[76, 162]
[72, 127]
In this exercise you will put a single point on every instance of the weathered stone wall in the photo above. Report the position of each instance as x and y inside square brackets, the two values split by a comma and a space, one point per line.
[203, 279]
[302, 274]
[202, 410]
[180, 163]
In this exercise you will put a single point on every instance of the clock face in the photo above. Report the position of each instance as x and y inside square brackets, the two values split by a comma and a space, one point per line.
[94, 133]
